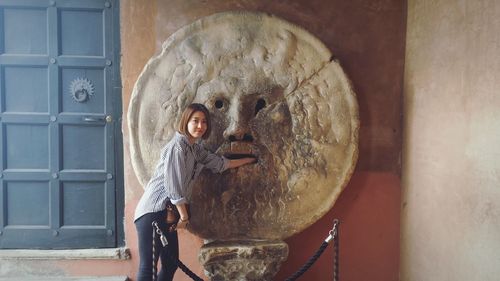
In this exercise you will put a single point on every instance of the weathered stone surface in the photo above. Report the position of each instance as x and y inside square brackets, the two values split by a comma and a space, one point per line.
[243, 260]
[273, 92]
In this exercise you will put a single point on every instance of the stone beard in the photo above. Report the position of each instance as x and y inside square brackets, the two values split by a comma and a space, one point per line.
[273, 92]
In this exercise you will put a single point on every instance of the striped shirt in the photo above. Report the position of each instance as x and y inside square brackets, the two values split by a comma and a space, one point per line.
[179, 165]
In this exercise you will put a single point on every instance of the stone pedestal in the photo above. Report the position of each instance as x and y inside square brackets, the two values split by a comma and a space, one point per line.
[249, 260]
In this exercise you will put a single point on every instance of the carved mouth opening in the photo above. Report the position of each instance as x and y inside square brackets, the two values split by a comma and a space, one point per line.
[238, 155]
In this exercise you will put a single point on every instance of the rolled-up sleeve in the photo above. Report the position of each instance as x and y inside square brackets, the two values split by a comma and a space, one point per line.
[174, 176]
[212, 161]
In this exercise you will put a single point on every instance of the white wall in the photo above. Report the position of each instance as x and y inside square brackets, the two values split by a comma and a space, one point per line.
[450, 228]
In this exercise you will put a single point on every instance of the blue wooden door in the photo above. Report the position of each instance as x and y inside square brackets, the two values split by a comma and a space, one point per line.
[60, 100]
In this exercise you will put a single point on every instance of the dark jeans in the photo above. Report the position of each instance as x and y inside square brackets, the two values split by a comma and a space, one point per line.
[168, 255]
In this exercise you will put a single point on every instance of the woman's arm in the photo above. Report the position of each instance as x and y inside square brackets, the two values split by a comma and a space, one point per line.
[235, 163]
[175, 175]
[217, 163]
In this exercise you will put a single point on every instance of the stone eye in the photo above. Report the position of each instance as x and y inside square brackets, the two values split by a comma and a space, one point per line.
[261, 103]
[219, 104]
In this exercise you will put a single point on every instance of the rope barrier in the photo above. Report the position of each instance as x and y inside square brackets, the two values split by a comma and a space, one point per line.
[332, 235]
[309, 263]
[336, 253]
[188, 271]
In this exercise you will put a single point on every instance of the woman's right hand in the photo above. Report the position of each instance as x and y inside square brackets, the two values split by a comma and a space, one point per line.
[235, 163]
[182, 224]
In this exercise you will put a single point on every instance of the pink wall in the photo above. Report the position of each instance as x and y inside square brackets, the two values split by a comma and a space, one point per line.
[367, 37]
[368, 211]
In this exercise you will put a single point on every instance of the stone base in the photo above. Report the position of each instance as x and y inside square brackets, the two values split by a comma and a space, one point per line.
[249, 260]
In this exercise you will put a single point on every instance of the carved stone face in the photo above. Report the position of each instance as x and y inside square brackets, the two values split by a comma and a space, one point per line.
[273, 93]
[250, 118]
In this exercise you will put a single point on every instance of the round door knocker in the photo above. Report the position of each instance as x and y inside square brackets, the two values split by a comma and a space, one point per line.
[81, 89]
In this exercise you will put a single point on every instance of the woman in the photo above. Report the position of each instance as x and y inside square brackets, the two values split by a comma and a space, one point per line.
[170, 184]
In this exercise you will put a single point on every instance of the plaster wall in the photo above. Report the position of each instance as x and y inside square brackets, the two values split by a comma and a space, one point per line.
[367, 37]
[451, 172]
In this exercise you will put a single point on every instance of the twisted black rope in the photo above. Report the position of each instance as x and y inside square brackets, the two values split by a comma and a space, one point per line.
[188, 271]
[309, 263]
[333, 234]
[336, 255]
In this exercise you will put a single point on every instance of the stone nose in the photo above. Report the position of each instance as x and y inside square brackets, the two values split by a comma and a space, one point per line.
[238, 130]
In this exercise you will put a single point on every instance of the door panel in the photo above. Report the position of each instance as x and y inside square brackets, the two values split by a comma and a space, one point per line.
[37, 194]
[26, 97]
[32, 23]
[83, 142]
[77, 211]
[81, 32]
[27, 146]
[58, 124]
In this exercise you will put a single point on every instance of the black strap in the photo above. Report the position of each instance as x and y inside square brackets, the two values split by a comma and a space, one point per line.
[153, 261]
[183, 267]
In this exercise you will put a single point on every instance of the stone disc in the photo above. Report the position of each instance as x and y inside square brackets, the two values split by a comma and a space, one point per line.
[273, 92]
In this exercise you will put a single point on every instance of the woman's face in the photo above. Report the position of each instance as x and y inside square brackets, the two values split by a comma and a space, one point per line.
[197, 125]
